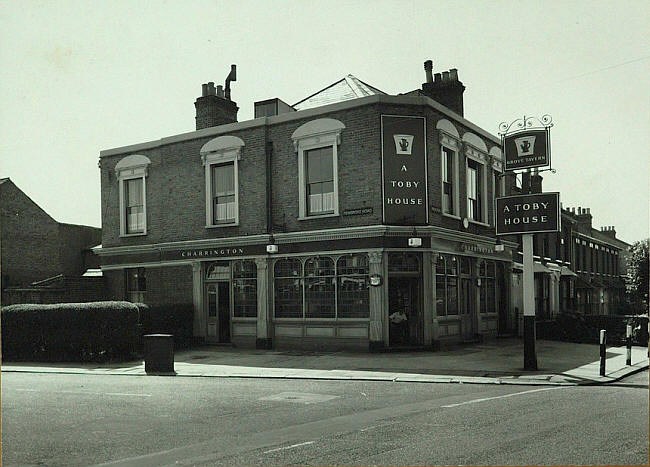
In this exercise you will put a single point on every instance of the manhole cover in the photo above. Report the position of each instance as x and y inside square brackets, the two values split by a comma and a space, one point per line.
[299, 397]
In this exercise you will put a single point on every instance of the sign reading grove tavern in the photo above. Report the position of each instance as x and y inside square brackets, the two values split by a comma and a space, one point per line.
[532, 213]
[404, 169]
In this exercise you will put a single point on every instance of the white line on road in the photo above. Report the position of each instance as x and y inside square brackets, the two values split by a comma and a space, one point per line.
[87, 393]
[289, 447]
[474, 401]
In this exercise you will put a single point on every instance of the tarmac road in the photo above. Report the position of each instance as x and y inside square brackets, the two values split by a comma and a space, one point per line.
[56, 419]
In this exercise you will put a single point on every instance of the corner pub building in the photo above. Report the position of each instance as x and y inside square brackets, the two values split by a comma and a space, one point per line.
[352, 219]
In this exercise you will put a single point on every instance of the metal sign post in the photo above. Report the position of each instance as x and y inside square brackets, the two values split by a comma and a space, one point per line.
[528, 145]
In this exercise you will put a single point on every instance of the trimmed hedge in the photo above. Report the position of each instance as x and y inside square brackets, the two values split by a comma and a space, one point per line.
[173, 319]
[97, 332]
[575, 327]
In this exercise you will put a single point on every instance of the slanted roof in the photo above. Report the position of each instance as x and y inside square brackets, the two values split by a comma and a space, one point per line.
[345, 89]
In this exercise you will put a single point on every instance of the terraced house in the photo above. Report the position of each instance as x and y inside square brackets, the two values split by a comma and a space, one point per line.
[351, 219]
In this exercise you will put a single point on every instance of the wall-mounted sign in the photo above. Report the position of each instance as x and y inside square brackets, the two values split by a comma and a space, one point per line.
[216, 252]
[357, 212]
[404, 169]
[532, 213]
[527, 149]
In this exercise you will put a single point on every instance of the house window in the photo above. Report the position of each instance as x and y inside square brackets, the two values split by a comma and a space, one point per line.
[220, 158]
[474, 191]
[449, 175]
[136, 285]
[223, 193]
[320, 181]
[134, 204]
[316, 144]
[132, 173]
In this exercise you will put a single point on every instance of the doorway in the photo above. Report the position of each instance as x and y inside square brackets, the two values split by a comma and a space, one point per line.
[218, 312]
[467, 305]
[404, 300]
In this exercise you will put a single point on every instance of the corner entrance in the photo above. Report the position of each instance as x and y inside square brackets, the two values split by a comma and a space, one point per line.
[405, 325]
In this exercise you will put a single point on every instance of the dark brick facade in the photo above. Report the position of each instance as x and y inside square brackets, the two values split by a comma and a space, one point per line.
[34, 245]
[176, 180]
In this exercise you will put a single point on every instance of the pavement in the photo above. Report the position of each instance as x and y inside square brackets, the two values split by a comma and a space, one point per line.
[498, 361]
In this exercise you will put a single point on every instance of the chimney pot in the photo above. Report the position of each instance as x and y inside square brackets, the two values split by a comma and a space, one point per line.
[445, 76]
[437, 77]
[428, 68]
[204, 89]
[219, 90]
[453, 74]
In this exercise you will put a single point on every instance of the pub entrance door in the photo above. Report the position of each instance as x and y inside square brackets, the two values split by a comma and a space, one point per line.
[467, 305]
[404, 300]
[217, 302]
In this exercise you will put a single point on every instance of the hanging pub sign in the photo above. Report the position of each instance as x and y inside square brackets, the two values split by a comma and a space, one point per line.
[404, 170]
[524, 214]
[527, 149]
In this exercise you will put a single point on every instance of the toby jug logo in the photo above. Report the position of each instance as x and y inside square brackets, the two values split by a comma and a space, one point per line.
[403, 144]
[525, 145]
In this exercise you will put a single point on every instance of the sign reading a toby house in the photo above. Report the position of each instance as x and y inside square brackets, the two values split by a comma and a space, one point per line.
[525, 214]
[404, 168]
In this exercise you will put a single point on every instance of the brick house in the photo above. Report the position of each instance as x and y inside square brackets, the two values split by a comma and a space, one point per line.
[42, 260]
[352, 219]
[580, 269]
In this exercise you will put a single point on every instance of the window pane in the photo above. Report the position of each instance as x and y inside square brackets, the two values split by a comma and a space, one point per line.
[223, 178]
[244, 269]
[288, 298]
[290, 267]
[319, 165]
[452, 295]
[245, 297]
[441, 299]
[319, 295]
[353, 293]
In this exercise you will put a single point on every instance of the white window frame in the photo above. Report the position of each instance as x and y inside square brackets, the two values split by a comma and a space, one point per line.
[132, 167]
[317, 134]
[474, 154]
[452, 144]
[220, 150]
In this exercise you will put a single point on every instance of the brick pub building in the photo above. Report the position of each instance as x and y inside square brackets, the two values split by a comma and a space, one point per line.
[352, 219]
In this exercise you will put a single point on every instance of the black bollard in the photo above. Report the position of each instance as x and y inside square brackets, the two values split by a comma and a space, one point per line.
[628, 343]
[603, 344]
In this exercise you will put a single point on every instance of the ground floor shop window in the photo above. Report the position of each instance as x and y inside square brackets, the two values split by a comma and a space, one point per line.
[322, 287]
[136, 285]
[487, 276]
[244, 287]
[447, 285]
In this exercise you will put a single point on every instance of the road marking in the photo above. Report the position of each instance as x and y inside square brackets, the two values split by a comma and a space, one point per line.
[289, 447]
[87, 393]
[474, 401]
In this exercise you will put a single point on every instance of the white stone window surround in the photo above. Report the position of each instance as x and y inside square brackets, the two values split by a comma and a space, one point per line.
[479, 155]
[220, 150]
[316, 134]
[129, 168]
[450, 139]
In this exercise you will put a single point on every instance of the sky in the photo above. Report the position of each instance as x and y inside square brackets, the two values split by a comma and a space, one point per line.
[78, 77]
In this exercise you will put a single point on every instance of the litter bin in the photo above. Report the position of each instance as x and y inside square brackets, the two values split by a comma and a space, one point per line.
[159, 354]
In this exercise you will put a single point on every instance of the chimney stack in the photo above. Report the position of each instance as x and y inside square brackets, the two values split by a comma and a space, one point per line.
[444, 88]
[428, 69]
[214, 107]
[584, 217]
[610, 231]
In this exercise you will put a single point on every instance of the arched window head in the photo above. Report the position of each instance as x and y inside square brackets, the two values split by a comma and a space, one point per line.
[316, 144]
[132, 174]
[220, 157]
